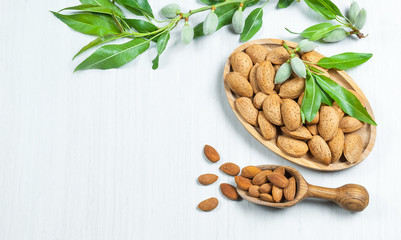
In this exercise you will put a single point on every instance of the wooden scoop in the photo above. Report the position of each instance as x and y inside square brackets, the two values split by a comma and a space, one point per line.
[351, 197]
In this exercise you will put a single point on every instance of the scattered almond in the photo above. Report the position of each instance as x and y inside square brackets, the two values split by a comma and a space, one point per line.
[229, 191]
[208, 204]
[250, 171]
[207, 179]
[230, 168]
[211, 154]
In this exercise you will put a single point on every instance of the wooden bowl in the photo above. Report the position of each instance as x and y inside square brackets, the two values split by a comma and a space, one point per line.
[367, 132]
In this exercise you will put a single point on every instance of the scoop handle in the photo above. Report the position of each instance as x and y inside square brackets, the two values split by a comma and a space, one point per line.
[352, 197]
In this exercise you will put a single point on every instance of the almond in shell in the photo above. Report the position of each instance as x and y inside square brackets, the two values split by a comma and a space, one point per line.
[250, 171]
[272, 109]
[278, 55]
[320, 150]
[312, 129]
[339, 111]
[265, 77]
[208, 204]
[239, 84]
[312, 56]
[247, 110]
[258, 100]
[229, 191]
[267, 129]
[230, 168]
[277, 194]
[207, 179]
[353, 147]
[243, 183]
[291, 113]
[278, 180]
[241, 63]
[257, 53]
[292, 88]
[328, 122]
[302, 133]
[291, 146]
[350, 124]
[336, 145]
[211, 153]
[290, 190]
[252, 79]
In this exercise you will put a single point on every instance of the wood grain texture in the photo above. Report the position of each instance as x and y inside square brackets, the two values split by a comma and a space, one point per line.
[352, 197]
[367, 132]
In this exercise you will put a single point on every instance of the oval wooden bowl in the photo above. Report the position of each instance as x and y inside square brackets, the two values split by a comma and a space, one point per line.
[367, 132]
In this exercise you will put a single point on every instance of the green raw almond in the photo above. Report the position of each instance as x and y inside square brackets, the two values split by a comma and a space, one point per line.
[335, 35]
[298, 67]
[187, 34]
[210, 24]
[306, 46]
[353, 11]
[170, 10]
[345, 99]
[344, 61]
[283, 73]
[253, 23]
[238, 21]
[114, 56]
[360, 19]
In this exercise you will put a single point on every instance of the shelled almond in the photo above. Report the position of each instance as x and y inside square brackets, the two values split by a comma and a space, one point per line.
[275, 109]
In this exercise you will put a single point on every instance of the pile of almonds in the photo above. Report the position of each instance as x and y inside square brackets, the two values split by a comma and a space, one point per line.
[274, 109]
[267, 185]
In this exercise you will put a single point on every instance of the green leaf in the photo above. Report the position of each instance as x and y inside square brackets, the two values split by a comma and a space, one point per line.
[325, 97]
[114, 56]
[345, 99]
[322, 32]
[141, 26]
[252, 24]
[137, 7]
[284, 3]
[344, 61]
[331, 7]
[89, 24]
[225, 15]
[90, 8]
[161, 45]
[308, 33]
[104, 3]
[211, 2]
[251, 3]
[98, 41]
[321, 9]
[312, 98]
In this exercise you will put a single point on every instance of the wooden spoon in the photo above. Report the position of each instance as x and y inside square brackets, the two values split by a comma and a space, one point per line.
[367, 132]
[351, 197]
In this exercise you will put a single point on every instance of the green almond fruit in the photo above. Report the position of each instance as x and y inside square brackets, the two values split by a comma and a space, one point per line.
[360, 19]
[353, 11]
[210, 24]
[335, 35]
[298, 67]
[187, 34]
[238, 21]
[170, 10]
[306, 45]
[283, 73]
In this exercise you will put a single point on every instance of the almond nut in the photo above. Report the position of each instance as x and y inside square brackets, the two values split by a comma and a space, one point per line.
[312, 57]
[229, 191]
[243, 183]
[328, 123]
[301, 133]
[247, 110]
[250, 171]
[239, 84]
[208, 204]
[207, 179]
[277, 194]
[320, 150]
[211, 153]
[254, 191]
[280, 170]
[339, 111]
[266, 188]
[252, 78]
[257, 53]
[230, 168]
[279, 55]
[267, 129]
[258, 100]
[353, 147]
[272, 109]
[312, 129]
[260, 178]
[265, 77]
[292, 88]
[336, 145]
[350, 124]
[290, 190]
[278, 180]
[266, 197]
[241, 63]
[291, 146]
[291, 113]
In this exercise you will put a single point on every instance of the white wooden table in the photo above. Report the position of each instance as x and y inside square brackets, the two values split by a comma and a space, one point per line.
[112, 155]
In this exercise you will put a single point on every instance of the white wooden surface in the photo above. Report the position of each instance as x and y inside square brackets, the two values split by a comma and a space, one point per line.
[115, 154]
